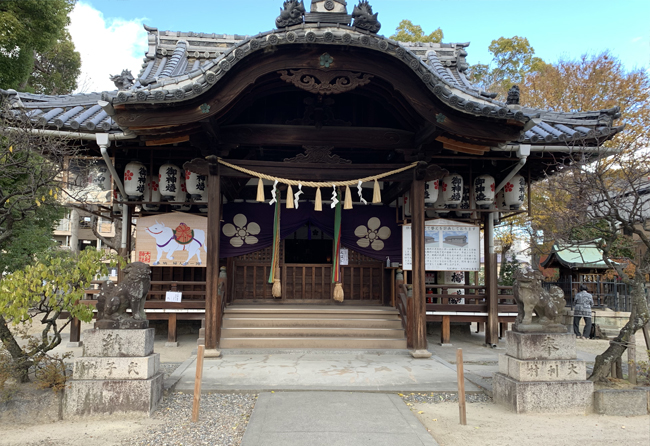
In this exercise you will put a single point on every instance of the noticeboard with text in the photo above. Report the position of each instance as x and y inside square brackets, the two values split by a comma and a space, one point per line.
[448, 246]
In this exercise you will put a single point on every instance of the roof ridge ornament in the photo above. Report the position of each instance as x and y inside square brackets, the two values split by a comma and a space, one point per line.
[513, 95]
[123, 81]
[292, 14]
[364, 18]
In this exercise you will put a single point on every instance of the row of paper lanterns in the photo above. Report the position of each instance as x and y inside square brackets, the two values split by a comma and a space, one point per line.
[443, 196]
[172, 184]
[450, 194]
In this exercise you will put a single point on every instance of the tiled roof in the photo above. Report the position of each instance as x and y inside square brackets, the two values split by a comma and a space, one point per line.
[182, 65]
[77, 112]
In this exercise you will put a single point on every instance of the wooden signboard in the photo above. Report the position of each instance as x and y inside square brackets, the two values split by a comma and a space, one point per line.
[174, 239]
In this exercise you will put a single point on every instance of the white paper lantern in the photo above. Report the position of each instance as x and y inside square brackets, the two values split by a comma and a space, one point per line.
[406, 204]
[515, 192]
[440, 207]
[484, 191]
[169, 179]
[183, 197]
[151, 188]
[201, 198]
[452, 190]
[431, 191]
[500, 201]
[464, 204]
[100, 176]
[195, 183]
[135, 177]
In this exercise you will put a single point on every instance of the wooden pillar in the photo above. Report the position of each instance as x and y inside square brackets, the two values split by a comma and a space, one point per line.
[417, 251]
[171, 329]
[212, 298]
[75, 330]
[491, 289]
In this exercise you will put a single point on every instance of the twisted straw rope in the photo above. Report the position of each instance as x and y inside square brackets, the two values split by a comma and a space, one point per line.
[316, 183]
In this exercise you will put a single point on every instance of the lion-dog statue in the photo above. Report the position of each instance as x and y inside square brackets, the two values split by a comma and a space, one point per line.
[539, 310]
[113, 300]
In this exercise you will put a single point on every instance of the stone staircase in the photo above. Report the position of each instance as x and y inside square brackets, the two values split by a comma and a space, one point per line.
[312, 326]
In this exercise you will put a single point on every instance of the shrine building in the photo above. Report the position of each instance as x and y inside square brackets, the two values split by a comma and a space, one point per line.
[275, 180]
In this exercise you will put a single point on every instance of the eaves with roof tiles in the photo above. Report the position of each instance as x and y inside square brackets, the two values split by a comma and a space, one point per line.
[183, 65]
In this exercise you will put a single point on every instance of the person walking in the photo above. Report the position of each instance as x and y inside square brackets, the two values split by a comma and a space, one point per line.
[582, 309]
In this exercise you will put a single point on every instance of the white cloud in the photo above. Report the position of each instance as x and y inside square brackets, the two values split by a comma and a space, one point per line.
[107, 46]
[636, 39]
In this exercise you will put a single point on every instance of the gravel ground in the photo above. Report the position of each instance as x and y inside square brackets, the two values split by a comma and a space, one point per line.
[413, 398]
[222, 421]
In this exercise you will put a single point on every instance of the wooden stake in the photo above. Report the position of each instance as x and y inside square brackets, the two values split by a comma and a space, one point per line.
[197, 383]
[631, 360]
[461, 386]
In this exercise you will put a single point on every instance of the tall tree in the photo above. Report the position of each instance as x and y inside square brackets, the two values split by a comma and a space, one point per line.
[512, 60]
[604, 199]
[408, 32]
[34, 43]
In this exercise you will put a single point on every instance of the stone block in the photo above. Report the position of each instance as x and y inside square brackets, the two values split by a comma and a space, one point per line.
[542, 397]
[540, 345]
[99, 342]
[646, 389]
[106, 397]
[116, 367]
[542, 369]
[621, 402]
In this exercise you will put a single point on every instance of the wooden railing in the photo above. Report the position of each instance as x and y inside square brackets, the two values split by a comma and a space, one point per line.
[404, 305]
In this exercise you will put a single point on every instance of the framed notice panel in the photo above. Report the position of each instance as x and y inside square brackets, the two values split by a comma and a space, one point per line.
[174, 239]
[448, 246]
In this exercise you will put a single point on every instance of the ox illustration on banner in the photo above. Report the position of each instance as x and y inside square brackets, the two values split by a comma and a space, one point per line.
[180, 237]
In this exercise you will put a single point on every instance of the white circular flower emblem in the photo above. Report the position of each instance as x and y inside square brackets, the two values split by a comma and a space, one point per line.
[372, 235]
[241, 232]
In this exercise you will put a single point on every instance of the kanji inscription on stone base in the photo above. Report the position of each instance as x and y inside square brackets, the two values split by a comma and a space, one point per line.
[116, 368]
[116, 342]
[540, 345]
[542, 370]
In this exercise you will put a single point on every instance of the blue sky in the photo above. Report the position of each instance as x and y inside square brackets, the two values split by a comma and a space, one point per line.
[555, 28]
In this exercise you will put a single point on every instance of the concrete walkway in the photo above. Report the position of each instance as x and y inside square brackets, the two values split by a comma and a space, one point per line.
[334, 419]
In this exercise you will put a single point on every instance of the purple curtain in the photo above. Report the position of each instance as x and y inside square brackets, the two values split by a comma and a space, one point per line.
[370, 230]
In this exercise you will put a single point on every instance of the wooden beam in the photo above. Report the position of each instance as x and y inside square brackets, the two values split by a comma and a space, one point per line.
[452, 144]
[165, 141]
[302, 171]
[428, 134]
[299, 135]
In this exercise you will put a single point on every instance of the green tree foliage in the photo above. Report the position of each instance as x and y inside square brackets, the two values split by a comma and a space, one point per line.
[408, 32]
[30, 169]
[512, 60]
[35, 44]
[43, 291]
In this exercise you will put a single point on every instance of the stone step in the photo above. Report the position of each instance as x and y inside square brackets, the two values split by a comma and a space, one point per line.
[311, 332]
[312, 321]
[308, 343]
[306, 311]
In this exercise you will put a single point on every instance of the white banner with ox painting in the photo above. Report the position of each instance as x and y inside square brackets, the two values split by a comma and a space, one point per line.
[174, 239]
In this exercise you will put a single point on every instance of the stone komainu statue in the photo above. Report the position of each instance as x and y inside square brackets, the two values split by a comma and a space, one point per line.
[113, 300]
[531, 297]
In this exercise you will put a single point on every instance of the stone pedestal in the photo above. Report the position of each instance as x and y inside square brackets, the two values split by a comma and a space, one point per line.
[540, 373]
[118, 374]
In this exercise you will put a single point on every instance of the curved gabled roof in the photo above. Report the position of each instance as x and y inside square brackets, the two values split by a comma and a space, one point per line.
[179, 66]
